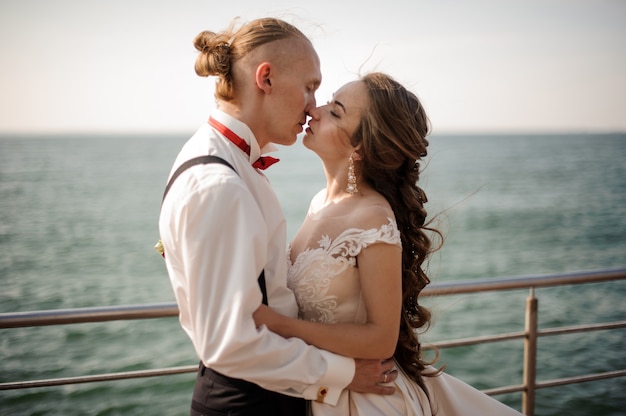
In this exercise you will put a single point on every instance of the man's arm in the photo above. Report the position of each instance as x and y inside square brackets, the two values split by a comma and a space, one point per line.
[215, 252]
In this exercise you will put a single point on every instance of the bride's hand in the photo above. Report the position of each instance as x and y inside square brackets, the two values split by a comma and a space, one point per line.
[264, 315]
[275, 322]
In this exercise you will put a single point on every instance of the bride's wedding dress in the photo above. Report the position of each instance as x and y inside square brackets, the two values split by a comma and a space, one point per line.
[325, 280]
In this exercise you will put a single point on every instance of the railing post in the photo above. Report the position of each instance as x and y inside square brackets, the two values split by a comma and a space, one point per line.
[530, 355]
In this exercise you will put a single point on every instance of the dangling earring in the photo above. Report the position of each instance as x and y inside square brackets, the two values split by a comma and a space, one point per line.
[351, 188]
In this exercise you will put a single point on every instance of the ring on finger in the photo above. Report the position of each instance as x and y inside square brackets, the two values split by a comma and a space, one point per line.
[385, 377]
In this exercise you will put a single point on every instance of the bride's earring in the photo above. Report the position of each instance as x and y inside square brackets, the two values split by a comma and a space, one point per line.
[351, 188]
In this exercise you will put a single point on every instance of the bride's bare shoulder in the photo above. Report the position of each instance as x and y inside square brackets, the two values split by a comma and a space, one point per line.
[372, 211]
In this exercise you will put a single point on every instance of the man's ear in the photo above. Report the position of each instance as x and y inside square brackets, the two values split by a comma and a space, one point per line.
[264, 73]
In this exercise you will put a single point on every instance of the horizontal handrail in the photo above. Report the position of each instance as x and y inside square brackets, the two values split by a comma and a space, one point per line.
[123, 375]
[523, 282]
[556, 382]
[463, 342]
[111, 313]
[82, 315]
[579, 379]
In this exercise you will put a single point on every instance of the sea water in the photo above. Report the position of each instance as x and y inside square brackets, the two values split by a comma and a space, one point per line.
[78, 218]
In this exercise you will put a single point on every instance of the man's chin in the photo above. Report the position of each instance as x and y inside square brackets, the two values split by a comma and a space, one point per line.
[287, 141]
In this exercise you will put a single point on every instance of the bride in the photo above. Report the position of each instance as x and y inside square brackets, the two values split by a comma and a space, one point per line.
[356, 262]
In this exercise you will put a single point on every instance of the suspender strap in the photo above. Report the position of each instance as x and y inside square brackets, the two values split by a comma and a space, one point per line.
[192, 162]
[204, 160]
[262, 286]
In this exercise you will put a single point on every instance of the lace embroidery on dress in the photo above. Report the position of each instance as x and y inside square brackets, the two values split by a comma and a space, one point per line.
[314, 269]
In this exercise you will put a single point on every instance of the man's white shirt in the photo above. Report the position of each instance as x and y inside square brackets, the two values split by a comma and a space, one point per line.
[219, 229]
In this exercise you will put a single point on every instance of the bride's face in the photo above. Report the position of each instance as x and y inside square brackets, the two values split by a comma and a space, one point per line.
[332, 125]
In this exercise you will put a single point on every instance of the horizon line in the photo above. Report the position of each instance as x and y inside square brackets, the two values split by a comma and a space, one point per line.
[189, 133]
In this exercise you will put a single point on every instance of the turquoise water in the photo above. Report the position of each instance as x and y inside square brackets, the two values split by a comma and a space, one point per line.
[78, 221]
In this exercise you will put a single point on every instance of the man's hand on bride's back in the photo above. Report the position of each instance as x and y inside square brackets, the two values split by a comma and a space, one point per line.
[372, 376]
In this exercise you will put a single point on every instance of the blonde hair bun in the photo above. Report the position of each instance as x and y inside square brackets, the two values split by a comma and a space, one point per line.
[214, 58]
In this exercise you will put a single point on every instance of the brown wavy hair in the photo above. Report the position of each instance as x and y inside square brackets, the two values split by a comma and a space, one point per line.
[392, 133]
[220, 51]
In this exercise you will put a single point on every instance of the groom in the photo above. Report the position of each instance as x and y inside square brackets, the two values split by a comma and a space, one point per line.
[224, 233]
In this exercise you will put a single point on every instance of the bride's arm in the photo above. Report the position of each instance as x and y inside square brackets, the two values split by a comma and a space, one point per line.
[381, 284]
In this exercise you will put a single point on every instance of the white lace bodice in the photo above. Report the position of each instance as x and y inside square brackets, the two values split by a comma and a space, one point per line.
[325, 279]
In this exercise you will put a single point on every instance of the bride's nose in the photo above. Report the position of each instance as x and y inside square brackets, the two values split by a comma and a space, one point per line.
[314, 113]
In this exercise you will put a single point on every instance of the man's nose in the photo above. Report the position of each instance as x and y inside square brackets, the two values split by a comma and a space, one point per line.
[311, 103]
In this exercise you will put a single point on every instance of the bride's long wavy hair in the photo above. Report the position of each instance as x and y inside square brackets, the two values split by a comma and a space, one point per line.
[392, 133]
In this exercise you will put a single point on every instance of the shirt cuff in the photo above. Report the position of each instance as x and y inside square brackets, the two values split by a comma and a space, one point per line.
[339, 373]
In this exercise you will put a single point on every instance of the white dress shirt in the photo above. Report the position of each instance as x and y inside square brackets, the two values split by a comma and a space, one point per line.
[219, 229]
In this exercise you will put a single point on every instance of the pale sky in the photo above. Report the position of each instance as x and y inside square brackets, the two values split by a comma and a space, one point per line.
[478, 66]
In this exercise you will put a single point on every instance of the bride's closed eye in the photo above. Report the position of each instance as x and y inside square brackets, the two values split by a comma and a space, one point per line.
[331, 111]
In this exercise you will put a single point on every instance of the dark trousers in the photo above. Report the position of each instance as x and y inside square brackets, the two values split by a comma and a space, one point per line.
[215, 394]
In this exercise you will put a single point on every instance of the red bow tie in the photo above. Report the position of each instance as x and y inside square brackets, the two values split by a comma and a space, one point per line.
[263, 162]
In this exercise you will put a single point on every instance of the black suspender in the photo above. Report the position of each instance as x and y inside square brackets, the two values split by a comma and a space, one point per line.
[192, 162]
[197, 161]
[261, 281]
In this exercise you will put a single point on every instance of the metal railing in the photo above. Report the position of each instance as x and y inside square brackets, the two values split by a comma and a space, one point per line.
[530, 334]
